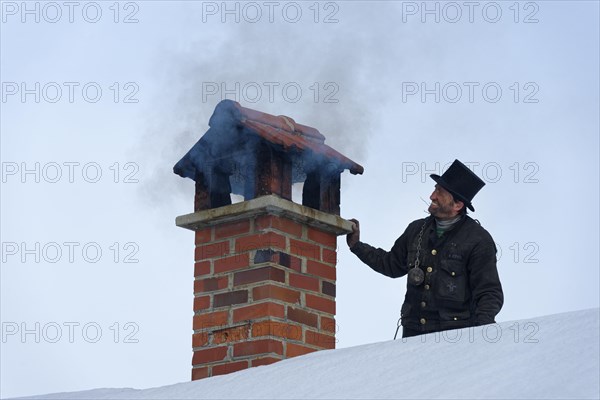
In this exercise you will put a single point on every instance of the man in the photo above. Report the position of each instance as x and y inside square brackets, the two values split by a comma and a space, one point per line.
[449, 258]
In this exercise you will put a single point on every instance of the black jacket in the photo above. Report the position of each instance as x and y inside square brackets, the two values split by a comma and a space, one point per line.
[461, 286]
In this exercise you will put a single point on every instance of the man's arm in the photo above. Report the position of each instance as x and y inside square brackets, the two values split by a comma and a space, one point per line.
[485, 282]
[389, 263]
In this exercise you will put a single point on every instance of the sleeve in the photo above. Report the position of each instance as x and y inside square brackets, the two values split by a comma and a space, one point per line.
[484, 281]
[389, 263]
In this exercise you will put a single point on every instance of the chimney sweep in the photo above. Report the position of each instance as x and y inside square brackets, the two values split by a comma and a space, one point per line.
[449, 258]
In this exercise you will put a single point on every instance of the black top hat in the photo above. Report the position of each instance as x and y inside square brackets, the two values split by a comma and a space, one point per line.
[461, 182]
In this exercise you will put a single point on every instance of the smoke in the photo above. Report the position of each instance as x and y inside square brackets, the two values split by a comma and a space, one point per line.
[320, 75]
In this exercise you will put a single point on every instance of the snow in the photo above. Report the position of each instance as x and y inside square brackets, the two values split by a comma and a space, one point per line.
[551, 357]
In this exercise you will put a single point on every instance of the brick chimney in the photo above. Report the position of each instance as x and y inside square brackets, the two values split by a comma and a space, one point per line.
[265, 268]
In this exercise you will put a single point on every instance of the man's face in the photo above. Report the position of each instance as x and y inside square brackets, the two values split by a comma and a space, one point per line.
[443, 205]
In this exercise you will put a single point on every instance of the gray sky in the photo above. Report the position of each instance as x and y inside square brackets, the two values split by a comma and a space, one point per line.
[100, 99]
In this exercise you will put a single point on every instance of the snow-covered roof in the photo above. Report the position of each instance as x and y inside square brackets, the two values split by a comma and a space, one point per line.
[548, 357]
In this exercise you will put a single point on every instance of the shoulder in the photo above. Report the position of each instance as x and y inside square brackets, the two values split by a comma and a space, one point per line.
[411, 231]
[474, 229]
[416, 225]
[419, 222]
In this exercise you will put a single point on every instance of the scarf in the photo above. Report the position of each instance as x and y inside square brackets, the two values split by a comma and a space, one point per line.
[443, 226]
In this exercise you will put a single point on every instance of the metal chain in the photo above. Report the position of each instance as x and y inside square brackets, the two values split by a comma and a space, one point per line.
[417, 262]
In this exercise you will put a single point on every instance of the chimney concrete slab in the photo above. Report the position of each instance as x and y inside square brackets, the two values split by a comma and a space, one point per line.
[269, 204]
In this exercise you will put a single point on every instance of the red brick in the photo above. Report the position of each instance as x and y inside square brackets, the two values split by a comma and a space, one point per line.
[320, 303]
[209, 355]
[259, 275]
[230, 298]
[278, 329]
[305, 249]
[257, 311]
[232, 229]
[320, 340]
[328, 324]
[222, 369]
[320, 269]
[232, 263]
[259, 241]
[329, 256]
[264, 361]
[203, 235]
[199, 373]
[262, 346]
[304, 282]
[228, 335]
[294, 350]
[303, 317]
[295, 263]
[282, 224]
[207, 320]
[275, 292]
[200, 339]
[202, 268]
[211, 250]
[323, 238]
[201, 303]
[211, 284]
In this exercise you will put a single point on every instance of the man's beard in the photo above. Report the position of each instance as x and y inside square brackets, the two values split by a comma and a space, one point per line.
[440, 210]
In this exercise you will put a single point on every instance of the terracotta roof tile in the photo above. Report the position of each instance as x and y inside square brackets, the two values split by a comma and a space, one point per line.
[281, 122]
[284, 131]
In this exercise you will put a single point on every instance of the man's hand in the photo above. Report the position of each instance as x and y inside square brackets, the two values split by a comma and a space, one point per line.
[354, 237]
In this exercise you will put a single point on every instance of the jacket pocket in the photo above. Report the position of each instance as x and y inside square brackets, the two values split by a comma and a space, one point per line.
[452, 281]
[450, 315]
[452, 319]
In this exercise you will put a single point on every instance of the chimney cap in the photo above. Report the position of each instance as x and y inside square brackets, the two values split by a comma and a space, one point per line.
[281, 131]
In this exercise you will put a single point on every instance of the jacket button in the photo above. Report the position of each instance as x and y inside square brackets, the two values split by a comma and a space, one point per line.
[423, 304]
[429, 269]
[423, 321]
[434, 252]
[456, 319]
[453, 273]
[426, 287]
